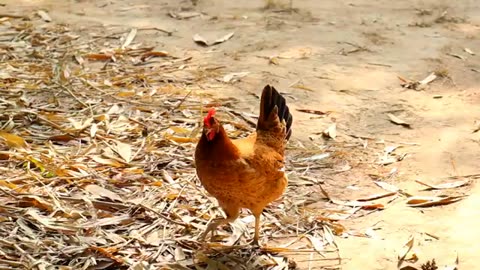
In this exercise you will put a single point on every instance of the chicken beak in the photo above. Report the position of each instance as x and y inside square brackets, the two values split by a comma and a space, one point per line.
[207, 132]
[210, 133]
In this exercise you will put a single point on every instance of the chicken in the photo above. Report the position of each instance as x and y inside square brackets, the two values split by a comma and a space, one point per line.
[247, 172]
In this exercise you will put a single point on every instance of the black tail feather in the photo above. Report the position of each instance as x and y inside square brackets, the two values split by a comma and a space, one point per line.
[271, 98]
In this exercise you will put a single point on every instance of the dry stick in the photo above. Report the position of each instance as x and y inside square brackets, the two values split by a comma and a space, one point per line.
[72, 94]
[181, 102]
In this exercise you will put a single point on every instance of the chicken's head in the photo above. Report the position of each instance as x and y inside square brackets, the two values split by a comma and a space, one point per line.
[210, 125]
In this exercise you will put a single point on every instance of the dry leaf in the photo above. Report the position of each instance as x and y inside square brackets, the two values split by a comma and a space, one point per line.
[180, 139]
[223, 39]
[406, 248]
[446, 185]
[184, 14]
[93, 130]
[236, 76]
[200, 40]
[469, 51]
[430, 78]
[99, 57]
[424, 201]
[44, 15]
[303, 87]
[203, 42]
[149, 55]
[7, 184]
[374, 206]
[12, 140]
[331, 131]
[124, 151]
[457, 56]
[109, 162]
[130, 37]
[376, 196]
[418, 85]
[387, 186]
[397, 120]
[317, 244]
[100, 192]
[317, 112]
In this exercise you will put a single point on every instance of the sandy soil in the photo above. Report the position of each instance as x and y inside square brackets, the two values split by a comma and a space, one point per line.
[345, 57]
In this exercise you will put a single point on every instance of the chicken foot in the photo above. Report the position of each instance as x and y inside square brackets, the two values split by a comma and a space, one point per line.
[232, 215]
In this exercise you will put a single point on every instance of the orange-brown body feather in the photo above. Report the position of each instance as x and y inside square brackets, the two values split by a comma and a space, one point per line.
[248, 172]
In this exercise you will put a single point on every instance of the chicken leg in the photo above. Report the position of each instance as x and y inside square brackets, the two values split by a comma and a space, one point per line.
[257, 213]
[232, 214]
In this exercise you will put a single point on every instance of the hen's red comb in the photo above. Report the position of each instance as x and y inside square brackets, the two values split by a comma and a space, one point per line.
[209, 116]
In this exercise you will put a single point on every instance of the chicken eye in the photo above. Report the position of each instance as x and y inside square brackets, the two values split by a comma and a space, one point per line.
[211, 121]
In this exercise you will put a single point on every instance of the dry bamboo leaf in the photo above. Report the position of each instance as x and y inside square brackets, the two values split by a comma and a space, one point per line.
[238, 229]
[273, 60]
[124, 151]
[149, 55]
[376, 196]
[99, 57]
[7, 184]
[109, 162]
[203, 42]
[184, 14]
[423, 201]
[93, 130]
[44, 15]
[317, 112]
[79, 59]
[126, 94]
[35, 201]
[328, 235]
[200, 40]
[12, 140]
[461, 57]
[331, 131]
[398, 121]
[179, 254]
[100, 192]
[303, 87]
[107, 252]
[405, 250]
[180, 139]
[387, 186]
[47, 222]
[223, 39]
[130, 37]
[179, 130]
[61, 138]
[233, 77]
[446, 185]
[375, 206]
[469, 51]
[317, 244]
[430, 78]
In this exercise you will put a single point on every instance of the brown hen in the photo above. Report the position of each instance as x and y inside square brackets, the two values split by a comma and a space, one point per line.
[247, 172]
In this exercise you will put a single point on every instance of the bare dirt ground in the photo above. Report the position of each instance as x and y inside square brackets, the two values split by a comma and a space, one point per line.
[344, 57]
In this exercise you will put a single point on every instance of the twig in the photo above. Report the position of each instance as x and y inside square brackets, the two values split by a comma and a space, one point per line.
[72, 94]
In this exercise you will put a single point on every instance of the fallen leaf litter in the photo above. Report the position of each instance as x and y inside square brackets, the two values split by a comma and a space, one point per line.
[97, 170]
